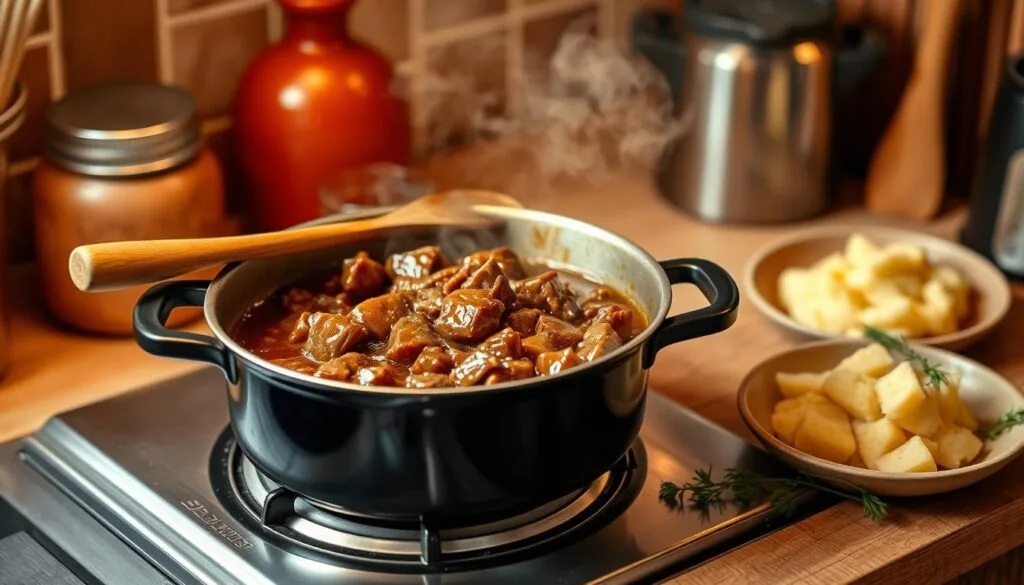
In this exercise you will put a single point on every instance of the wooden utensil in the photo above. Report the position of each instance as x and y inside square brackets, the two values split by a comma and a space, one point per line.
[908, 170]
[112, 265]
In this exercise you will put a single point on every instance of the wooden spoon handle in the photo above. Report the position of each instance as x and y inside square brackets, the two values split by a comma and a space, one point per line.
[97, 267]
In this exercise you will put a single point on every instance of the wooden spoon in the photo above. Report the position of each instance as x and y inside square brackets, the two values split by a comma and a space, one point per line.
[907, 176]
[107, 266]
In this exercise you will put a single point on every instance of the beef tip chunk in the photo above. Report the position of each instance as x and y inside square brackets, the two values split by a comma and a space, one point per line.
[485, 276]
[416, 263]
[297, 299]
[298, 364]
[474, 368]
[345, 368]
[432, 360]
[436, 279]
[618, 316]
[379, 314]
[504, 256]
[408, 337]
[598, 340]
[600, 296]
[427, 380]
[377, 375]
[362, 276]
[523, 321]
[546, 293]
[535, 345]
[332, 335]
[552, 362]
[469, 315]
[510, 370]
[300, 332]
[558, 332]
[503, 344]
[455, 281]
[428, 302]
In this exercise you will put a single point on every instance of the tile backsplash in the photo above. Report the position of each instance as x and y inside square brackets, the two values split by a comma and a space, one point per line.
[205, 45]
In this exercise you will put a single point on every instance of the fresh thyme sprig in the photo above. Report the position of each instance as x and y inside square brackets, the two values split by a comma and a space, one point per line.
[936, 377]
[1005, 423]
[748, 488]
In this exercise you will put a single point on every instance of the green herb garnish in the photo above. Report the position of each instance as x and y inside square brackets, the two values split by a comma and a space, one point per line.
[748, 488]
[936, 377]
[1005, 423]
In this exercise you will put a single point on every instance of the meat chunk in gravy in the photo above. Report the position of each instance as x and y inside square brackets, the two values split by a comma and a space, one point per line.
[469, 315]
[546, 293]
[362, 276]
[379, 314]
[332, 335]
[416, 264]
[409, 336]
[418, 321]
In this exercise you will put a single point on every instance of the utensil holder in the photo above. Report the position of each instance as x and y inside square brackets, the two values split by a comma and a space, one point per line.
[11, 119]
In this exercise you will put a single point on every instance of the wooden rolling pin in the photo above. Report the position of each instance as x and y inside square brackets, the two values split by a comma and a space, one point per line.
[907, 176]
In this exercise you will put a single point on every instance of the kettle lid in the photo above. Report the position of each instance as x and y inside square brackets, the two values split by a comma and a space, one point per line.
[762, 21]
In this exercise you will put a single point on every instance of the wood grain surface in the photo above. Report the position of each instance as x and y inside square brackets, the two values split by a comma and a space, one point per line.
[934, 539]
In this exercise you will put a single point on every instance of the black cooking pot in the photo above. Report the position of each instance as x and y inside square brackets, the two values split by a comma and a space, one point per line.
[441, 453]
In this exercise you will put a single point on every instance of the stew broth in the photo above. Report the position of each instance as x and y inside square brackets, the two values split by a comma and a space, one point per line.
[420, 321]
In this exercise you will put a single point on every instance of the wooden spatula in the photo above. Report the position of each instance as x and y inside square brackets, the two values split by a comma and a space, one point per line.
[907, 175]
[106, 266]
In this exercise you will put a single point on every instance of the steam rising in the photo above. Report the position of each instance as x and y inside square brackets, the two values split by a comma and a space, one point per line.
[589, 110]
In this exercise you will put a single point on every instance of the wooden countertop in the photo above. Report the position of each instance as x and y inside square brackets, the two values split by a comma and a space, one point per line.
[934, 539]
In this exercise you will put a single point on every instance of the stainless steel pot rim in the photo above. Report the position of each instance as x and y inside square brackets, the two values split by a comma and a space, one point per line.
[312, 382]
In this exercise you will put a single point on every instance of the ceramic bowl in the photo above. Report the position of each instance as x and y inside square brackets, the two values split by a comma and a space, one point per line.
[991, 291]
[988, 395]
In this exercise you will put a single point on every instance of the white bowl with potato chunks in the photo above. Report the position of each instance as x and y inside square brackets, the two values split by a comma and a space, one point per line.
[831, 282]
[889, 417]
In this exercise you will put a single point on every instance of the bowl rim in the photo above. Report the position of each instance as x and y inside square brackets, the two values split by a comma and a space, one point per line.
[1001, 297]
[773, 442]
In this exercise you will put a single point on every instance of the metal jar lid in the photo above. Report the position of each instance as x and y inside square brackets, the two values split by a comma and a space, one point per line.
[124, 129]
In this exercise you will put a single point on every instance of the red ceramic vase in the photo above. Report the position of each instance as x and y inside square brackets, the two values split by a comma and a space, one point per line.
[314, 103]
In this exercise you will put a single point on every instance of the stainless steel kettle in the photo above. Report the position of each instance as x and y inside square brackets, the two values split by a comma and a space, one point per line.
[754, 83]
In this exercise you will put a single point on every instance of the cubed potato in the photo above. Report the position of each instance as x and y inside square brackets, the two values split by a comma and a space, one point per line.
[905, 403]
[856, 461]
[910, 457]
[957, 446]
[933, 447]
[837, 313]
[862, 279]
[954, 282]
[786, 418]
[873, 360]
[825, 432]
[877, 438]
[860, 251]
[793, 287]
[853, 392]
[949, 398]
[834, 265]
[792, 385]
[894, 314]
[965, 418]
[900, 258]
[938, 309]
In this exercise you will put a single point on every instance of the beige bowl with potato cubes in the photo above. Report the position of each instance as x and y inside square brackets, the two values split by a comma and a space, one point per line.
[987, 395]
[776, 270]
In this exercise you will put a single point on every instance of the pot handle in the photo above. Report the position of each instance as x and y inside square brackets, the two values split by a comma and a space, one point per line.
[151, 332]
[717, 286]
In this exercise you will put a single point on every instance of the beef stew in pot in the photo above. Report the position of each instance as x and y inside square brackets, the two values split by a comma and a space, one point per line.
[419, 321]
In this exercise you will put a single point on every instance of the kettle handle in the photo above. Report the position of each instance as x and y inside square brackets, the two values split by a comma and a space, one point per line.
[656, 38]
[862, 56]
